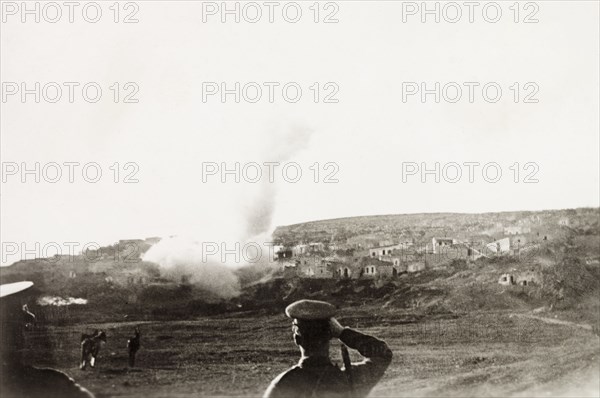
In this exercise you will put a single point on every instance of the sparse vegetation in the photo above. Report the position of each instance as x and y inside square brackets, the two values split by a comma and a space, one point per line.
[452, 323]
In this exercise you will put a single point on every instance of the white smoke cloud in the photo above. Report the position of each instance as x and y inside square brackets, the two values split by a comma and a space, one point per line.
[183, 258]
[250, 221]
[285, 143]
[59, 301]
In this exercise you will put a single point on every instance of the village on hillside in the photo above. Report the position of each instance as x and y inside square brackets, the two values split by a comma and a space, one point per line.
[358, 248]
[380, 254]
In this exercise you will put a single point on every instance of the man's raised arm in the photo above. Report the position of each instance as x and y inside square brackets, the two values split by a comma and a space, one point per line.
[378, 356]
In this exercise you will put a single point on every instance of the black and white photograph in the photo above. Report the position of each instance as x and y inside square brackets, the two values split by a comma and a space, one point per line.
[299, 199]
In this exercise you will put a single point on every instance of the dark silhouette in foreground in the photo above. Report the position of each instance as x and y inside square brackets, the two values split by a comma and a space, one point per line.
[315, 375]
[17, 379]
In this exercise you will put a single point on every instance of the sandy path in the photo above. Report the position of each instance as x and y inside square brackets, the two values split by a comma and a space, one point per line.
[555, 321]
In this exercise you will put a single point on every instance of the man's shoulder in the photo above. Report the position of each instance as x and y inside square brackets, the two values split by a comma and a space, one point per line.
[293, 374]
[298, 381]
[290, 380]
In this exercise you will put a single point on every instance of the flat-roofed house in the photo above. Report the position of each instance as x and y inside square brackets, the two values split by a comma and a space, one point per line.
[439, 243]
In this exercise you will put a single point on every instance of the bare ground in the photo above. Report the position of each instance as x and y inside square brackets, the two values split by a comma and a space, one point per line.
[477, 355]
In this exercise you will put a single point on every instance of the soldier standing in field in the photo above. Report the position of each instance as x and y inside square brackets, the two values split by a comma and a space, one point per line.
[315, 376]
[133, 345]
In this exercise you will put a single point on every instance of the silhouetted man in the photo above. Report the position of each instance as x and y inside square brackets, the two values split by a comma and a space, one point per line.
[133, 345]
[315, 376]
[17, 379]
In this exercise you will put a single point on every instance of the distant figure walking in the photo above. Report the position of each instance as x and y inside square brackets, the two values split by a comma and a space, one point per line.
[133, 345]
[90, 346]
[28, 317]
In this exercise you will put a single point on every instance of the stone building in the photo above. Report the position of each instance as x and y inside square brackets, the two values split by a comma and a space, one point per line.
[395, 260]
[374, 268]
[506, 280]
[367, 241]
[387, 270]
[289, 269]
[345, 271]
[380, 251]
[309, 248]
[300, 250]
[440, 243]
[498, 247]
[564, 221]
[314, 267]
[517, 230]
[522, 278]
[282, 253]
[415, 267]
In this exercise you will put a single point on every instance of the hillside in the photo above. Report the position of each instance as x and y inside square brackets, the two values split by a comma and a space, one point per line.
[582, 221]
[455, 330]
[565, 273]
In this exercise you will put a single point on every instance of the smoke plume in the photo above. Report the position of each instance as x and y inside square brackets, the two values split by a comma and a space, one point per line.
[286, 143]
[184, 259]
[189, 258]
[59, 301]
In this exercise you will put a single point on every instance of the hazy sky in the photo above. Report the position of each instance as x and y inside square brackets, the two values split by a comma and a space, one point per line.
[368, 133]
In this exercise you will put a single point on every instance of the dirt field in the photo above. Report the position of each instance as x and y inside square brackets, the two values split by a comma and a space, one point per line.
[484, 354]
